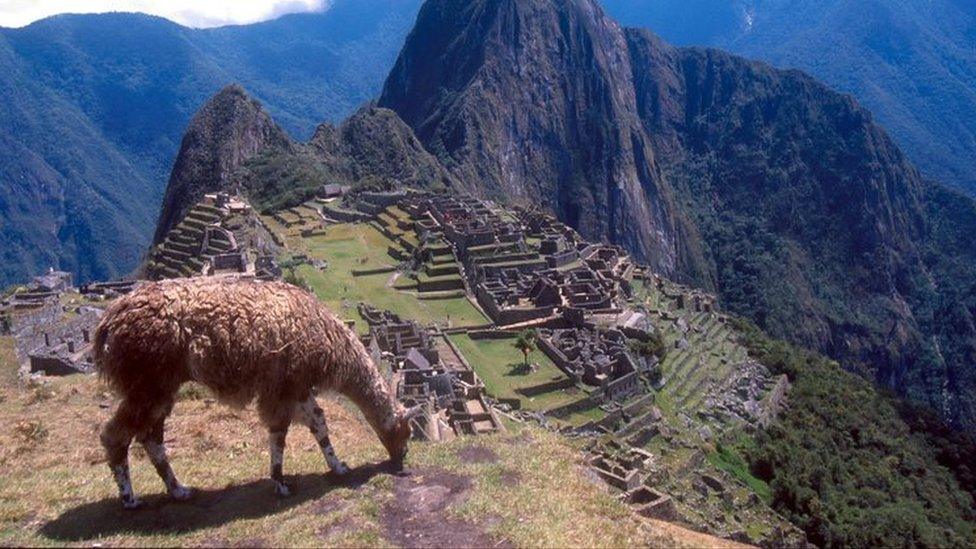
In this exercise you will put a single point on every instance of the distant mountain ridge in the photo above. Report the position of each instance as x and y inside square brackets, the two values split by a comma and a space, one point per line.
[95, 106]
[912, 64]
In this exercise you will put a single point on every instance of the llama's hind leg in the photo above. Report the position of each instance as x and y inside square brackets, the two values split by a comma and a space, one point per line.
[116, 437]
[313, 416]
[155, 448]
[276, 442]
[276, 415]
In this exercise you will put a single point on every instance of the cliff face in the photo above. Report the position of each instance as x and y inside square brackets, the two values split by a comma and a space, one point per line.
[764, 185]
[534, 100]
[771, 163]
[227, 132]
[914, 68]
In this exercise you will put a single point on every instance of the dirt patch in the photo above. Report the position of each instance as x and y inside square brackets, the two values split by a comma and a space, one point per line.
[328, 506]
[510, 478]
[477, 454]
[341, 526]
[419, 517]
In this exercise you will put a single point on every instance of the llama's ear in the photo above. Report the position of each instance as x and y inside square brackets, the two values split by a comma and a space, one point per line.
[413, 411]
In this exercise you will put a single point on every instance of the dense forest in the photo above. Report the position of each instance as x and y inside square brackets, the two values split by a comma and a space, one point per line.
[855, 467]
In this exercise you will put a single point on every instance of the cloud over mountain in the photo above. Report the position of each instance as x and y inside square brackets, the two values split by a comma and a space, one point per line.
[192, 13]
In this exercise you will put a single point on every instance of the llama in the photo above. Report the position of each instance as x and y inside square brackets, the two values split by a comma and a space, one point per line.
[246, 340]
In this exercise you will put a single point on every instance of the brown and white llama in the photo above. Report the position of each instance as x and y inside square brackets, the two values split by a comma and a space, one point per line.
[246, 340]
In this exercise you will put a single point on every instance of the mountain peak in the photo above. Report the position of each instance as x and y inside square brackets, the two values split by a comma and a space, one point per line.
[534, 100]
[227, 131]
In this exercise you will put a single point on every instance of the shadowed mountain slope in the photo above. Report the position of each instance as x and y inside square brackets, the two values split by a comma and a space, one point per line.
[912, 64]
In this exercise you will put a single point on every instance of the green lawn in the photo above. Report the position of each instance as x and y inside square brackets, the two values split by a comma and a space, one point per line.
[730, 461]
[584, 416]
[359, 246]
[498, 363]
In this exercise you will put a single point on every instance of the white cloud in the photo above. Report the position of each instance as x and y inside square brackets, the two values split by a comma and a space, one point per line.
[193, 13]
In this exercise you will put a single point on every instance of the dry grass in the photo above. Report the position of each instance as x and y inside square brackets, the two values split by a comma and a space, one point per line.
[8, 363]
[56, 490]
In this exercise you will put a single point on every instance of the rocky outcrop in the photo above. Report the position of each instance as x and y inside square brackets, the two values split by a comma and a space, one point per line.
[234, 145]
[228, 131]
[534, 100]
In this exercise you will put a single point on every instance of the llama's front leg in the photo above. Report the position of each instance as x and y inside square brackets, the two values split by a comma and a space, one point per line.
[156, 450]
[313, 416]
[276, 439]
[116, 437]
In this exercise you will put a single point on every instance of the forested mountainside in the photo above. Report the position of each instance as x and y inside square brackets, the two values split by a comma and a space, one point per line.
[95, 105]
[784, 196]
[912, 64]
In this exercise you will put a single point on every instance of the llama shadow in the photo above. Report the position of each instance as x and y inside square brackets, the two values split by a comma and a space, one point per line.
[208, 508]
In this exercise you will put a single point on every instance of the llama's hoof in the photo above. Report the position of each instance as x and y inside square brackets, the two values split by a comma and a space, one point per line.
[181, 493]
[341, 469]
[282, 490]
[131, 504]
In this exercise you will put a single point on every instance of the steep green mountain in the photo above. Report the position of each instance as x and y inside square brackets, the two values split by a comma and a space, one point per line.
[912, 64]
[94, 107]
[228, 131]
[232, 144]
[782, 195]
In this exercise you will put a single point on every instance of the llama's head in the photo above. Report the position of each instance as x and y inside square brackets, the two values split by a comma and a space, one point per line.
[397, 437]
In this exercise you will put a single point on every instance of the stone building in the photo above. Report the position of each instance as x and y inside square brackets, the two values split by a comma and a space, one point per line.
[596, 358]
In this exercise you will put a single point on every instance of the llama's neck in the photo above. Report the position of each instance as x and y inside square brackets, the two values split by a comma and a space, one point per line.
[366, 387]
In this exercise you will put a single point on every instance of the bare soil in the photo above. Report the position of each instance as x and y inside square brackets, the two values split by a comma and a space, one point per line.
[477, 454]
[419, 514]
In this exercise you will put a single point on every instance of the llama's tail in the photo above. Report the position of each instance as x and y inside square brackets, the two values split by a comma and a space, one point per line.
[102, 356]
[100, 345]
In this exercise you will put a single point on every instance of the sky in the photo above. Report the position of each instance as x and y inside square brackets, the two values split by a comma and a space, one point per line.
[192, 13]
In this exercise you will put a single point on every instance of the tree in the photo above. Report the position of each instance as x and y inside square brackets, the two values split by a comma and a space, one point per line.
[652, 346]
[525, 342]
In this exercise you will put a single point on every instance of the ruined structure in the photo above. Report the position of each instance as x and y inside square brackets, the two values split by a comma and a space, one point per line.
[54, 340]
[208, 241]
[450, 392]
[597, 358]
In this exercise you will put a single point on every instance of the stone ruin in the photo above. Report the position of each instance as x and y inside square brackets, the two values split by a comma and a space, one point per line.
[332, 191]
[626, 469]
[52, 343]
[751, 395]
[40, 292]
[207, 241]
[451, 393]
[596, 358]
[108, 290]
